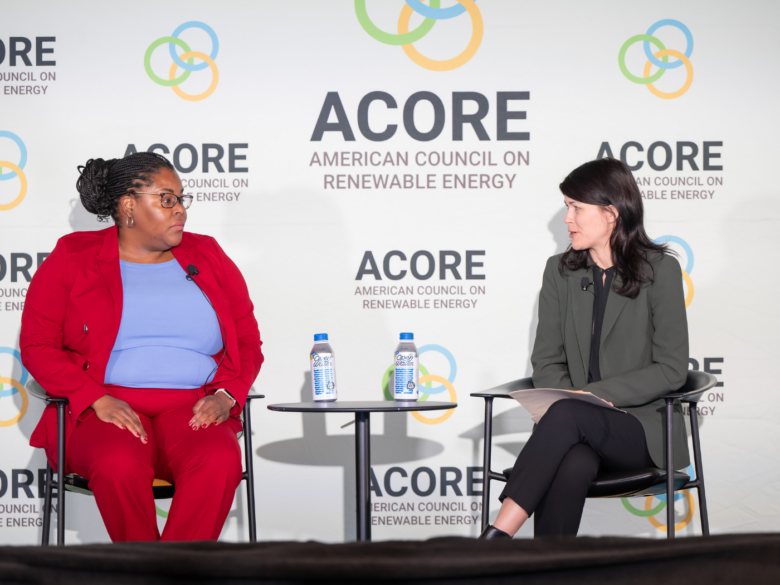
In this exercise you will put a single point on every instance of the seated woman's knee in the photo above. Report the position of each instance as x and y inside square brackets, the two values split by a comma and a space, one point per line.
[222, 455]
[562, 410]
[580, 464]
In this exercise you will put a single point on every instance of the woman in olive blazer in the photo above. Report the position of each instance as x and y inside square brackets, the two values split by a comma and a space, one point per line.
[611, 322]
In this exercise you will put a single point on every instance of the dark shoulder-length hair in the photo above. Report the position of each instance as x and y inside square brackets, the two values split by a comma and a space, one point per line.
[606, 182]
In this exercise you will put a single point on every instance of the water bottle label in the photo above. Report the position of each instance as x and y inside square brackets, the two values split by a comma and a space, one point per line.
[323, 375]
[406, 368]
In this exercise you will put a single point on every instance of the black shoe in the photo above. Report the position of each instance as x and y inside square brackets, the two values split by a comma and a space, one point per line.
[492, 532]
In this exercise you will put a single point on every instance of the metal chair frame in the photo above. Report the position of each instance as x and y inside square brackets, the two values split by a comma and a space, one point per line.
[63, 483]
[695, 386]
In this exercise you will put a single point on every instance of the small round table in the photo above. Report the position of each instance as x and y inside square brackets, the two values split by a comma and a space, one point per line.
[362, 410]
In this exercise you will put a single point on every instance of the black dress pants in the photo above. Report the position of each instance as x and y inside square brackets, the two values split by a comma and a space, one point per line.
[572, 441]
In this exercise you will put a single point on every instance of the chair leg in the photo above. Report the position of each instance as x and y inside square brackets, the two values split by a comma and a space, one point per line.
[60, 474]
[46, 507]
[705, 523]
[486, 455]
[669, 471]
[250, 474]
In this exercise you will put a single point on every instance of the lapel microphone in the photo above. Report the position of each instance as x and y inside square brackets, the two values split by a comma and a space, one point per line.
[583, 283]
[192, 270]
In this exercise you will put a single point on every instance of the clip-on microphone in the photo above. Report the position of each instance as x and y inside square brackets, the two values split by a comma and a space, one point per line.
[583, 283]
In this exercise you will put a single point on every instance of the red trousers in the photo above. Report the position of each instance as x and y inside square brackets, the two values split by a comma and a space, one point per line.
[203, 465]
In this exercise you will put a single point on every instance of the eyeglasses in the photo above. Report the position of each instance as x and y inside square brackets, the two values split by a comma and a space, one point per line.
[169, 200]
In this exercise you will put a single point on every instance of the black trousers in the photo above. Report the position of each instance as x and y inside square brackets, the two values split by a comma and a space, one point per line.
[572, 441]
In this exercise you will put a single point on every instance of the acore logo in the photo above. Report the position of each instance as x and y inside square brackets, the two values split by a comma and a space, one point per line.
[686, 272]
[662, 64]
[425, 382]
[16, 171]
[174, 41]
[405, 38]
[16, 386]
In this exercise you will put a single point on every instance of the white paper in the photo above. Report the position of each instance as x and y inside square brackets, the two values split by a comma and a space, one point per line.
[538, 400]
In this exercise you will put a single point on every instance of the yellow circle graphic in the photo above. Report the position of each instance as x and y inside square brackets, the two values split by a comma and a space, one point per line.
[214, 76]
[689, 283]
[688, 80]
[680, 525]
[477, 29]
[453, 398]
[22, 191]
[22, 393]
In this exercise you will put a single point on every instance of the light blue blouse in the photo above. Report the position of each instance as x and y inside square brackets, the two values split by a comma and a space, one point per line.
[168, 331]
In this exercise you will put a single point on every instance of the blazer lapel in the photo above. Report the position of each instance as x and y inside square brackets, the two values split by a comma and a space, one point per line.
[615, 304]
[108, 259]
[582, 310]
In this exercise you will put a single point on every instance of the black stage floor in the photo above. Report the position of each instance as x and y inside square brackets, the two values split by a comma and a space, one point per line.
[744, 559]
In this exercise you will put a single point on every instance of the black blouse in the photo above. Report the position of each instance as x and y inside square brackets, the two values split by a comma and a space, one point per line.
[601, 289]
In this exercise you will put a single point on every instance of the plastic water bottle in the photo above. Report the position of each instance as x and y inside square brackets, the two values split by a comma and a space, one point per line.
[323, 369]
[407, 369]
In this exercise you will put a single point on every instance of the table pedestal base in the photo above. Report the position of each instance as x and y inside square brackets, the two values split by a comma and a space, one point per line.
[363, 474]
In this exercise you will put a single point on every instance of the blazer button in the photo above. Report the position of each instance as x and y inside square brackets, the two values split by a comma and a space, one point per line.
[85, 329]
[86, 366]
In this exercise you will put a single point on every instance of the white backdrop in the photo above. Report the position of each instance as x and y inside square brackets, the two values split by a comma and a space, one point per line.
[301, 241]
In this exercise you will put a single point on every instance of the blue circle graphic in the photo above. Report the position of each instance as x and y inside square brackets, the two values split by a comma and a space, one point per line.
[436, 13]
[453, 367]
[25, 374]
[22, 149]
[678, 495]
[214, 45]
[688, 39]
[688, 250]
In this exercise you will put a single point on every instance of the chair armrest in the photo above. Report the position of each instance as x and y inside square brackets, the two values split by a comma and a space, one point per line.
[503, 390]
[694, 388]
[254, 397]
[35, 389]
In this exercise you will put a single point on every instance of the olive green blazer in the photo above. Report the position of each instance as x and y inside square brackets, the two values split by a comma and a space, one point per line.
[643, 353]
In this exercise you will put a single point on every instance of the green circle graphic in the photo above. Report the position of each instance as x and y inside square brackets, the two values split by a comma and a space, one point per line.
[160, 512]
[622, 59]
[386, 383]
[643, 513]
[389, 38]
[148, 61]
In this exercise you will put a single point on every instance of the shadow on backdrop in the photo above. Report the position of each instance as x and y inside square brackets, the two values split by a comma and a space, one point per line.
[317, 448]
[82, 220]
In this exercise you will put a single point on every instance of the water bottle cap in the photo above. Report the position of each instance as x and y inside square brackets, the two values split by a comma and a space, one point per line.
[320, 337]
[405, 336]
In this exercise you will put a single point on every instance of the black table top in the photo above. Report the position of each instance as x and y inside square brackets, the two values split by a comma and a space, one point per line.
[361, 406]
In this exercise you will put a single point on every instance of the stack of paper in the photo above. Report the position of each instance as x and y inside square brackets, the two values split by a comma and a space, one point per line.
[538, 400]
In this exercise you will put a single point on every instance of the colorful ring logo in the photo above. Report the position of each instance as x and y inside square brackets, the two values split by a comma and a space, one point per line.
[431, 13]
[178, 61]
[425, 381]
[663, 64]
[16, 386]
[650, 511]
[16, 171]
[686, 272]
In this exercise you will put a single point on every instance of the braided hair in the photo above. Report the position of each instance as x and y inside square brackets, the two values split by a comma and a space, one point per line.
[102, 183]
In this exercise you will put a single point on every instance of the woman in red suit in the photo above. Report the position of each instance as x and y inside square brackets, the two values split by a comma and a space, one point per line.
[114, 322]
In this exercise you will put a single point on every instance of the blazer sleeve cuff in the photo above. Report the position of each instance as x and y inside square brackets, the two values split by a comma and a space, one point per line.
[82, 400]
[239, 393]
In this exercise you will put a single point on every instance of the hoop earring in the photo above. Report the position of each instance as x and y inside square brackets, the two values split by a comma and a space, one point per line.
[129, 222]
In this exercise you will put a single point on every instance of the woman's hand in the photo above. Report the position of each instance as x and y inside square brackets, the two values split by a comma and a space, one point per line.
[118, 412]
[211, 410]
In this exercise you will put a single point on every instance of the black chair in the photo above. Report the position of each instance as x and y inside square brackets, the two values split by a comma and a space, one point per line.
[619, 484]
[162, 489]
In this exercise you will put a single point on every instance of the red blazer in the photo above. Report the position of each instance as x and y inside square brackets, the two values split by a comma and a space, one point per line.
[73, 311]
